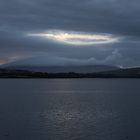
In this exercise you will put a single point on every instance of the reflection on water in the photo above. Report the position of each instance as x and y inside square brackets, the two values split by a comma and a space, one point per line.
[69, 109]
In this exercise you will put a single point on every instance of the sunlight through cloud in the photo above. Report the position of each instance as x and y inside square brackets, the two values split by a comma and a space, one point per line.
[76, 38]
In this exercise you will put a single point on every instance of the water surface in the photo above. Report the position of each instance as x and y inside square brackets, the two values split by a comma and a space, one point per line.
[69, 109]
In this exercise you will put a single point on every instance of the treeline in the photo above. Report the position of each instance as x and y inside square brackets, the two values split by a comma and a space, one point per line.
[5, 73]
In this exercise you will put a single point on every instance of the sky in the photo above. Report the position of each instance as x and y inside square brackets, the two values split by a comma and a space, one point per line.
[70, 32]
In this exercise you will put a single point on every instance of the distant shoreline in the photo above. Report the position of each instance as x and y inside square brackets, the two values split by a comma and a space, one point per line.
[20, 74]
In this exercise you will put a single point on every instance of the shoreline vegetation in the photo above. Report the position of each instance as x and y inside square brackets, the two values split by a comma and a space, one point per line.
[121, 73]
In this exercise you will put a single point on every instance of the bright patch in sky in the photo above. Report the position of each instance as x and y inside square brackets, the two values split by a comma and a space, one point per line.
[76, 38]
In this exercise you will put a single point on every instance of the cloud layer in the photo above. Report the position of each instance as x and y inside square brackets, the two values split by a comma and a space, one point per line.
[119, 18]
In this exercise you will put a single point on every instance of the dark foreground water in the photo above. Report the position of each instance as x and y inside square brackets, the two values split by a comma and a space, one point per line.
[70, 109]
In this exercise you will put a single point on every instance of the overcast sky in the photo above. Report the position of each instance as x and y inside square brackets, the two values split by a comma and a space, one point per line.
[70, 32]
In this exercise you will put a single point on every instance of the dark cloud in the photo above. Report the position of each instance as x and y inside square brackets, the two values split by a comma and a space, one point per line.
[117, 17]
